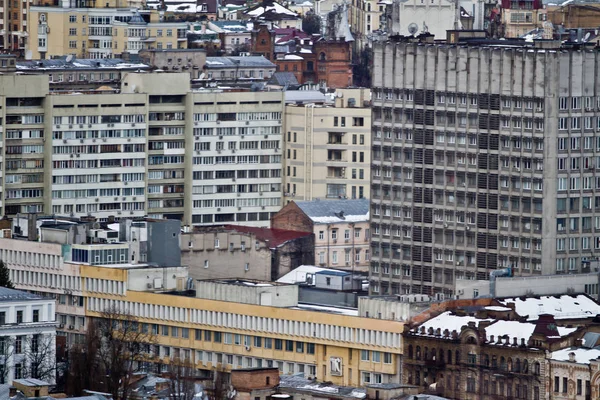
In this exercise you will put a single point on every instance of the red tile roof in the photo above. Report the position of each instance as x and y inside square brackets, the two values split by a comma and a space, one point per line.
[275, 237]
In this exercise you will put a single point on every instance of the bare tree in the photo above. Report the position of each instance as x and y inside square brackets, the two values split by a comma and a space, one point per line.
[113, 350]
[181, 379]
[6, 352]
[40, 357]
[123, 347]
[219, 386]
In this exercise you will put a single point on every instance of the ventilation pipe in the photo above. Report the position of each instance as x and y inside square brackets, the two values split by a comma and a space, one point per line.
[493, 275]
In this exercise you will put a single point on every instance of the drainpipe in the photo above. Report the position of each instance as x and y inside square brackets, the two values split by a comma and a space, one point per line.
[493, 275]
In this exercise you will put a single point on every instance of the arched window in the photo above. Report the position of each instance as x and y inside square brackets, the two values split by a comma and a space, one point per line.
[441, 355]
[502, 363]
[518, 365]
[449, 356]
[426, 354]
[418, 353]
[457, 358]
[525, 366]
[433, 354]
[510, 364]
[369, 7]
[322, 57]
[410, 351]
[486, 360]
[536, 368]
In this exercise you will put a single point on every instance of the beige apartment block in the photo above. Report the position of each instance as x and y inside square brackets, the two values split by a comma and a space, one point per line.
[156, 148]
[326, 148]
[99, 32]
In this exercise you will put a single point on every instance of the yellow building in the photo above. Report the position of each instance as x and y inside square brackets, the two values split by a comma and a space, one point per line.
[213, 333]
[99, 32]
[327, 148]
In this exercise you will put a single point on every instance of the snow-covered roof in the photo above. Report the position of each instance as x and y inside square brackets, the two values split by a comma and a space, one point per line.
[334, 211]
[447, 320]
[79, 64]
[290, 57]
[275, 7]
[351, 312]
[582, 355]
[561, 307]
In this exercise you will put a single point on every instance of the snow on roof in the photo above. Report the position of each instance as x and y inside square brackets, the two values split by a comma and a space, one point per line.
[448, 321]
[332, 211]
[352, 312]
[582, 355]
[299, 274]
[303, 50]
[292, 57]
[498, 308]
[275, 7]
[561, 307]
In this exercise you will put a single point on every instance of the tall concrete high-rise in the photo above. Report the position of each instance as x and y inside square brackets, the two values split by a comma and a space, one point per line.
[485, 156]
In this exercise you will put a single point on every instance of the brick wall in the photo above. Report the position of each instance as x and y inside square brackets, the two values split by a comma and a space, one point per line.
[252, 379]
[292, 218]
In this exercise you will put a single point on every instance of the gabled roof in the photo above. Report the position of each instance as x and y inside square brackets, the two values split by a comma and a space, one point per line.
[332, 211]
[270, 9]
[294, 34]
[274, 237]
[284, 79]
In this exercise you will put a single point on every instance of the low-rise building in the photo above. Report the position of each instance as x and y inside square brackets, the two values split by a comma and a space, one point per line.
[489, 348]
[340, 227]
[238, 71]
[232, 251]
[219, 325]
[27, 336]
[235, 36]
[326, 149]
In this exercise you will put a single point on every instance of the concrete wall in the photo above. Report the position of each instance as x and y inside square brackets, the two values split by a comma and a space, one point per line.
[336, 282]
[147, 279]
[249, 292]
[291, 217]
[391, 309]
[325, 297]
[538, 285]
[163, 243]
[198, 248]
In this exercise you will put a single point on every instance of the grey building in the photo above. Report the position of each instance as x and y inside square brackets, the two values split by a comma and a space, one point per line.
[484, 156]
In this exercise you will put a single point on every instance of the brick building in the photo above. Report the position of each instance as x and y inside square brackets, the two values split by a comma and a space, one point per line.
[311, 59]
[478, 351]
[572, 16]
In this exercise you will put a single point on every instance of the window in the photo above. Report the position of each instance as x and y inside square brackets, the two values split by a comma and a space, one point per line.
[19, 317]
[289, 345]
[36, 316]
[364, 355]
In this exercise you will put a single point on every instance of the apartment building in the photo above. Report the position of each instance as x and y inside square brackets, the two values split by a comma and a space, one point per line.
[483, 158]
[230, 324]
[27, 336]
[325, 151]
[168, 137]
[99, 32]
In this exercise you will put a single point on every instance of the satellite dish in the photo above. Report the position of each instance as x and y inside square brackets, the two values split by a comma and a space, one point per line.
[69, 58]
[587, 37]
[413, 28]
[339, 95]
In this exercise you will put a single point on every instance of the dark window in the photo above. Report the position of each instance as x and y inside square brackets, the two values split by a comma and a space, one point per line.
[278, 344]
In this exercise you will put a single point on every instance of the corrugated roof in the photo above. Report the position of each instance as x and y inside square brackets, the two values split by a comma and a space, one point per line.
[331, 211]
[284, 79]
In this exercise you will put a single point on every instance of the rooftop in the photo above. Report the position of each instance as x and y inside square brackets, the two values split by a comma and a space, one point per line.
[299, 275]
[7, 295]
[274, 237]
[31, 382]
[243, 282]
[79, 64]
[334, 211]
[320, 389]
[283, 79]
[561, 307]
[582, 355]
[232, 62]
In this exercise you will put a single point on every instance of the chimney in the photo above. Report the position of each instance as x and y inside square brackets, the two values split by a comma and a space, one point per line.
[572, 357]
[32, 226]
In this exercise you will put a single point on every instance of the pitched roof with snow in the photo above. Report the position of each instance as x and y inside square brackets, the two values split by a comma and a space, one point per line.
[270, 8]
[561, 307]
[7, 294]
[284, 79]
[332, 211]
[582, 355]
[298, 275]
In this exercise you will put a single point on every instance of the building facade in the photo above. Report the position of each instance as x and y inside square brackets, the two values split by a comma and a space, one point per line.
[166, 136]
[236, 324]
[232, 251]
[472, 173]
[27, 336]
[325, 148]
[99, 32]
[340, 229]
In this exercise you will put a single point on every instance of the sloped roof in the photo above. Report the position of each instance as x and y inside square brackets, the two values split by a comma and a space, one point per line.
[283, 79]
[7, 294]
[298, 275]
[226, 62]
[561, 307]
[274, 237]
[332, 211]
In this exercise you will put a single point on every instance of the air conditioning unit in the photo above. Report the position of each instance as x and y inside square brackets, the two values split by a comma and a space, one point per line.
[64, 140]
[118, 212]
[334, 240]
[133, 198]
[218, 209]
[116, 198]
[78, 155]
[262, 208]
[71, 327]
[61, 326]
[89, 125]
[260, 193]
[80, 140]
[72, 155]
[104, 139]
[124, 198]
[220, 137]
[239, 208]
[81, 125]
[129, 139]
[70, 126]
[266, 136]
[133, 124]
[125, 183]
[218, 122]
[149, 285]
[93, 140]
[247, 348]
[233, 150]
[97, 199]
[461, 291]
[130, 212]
[57, 126]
